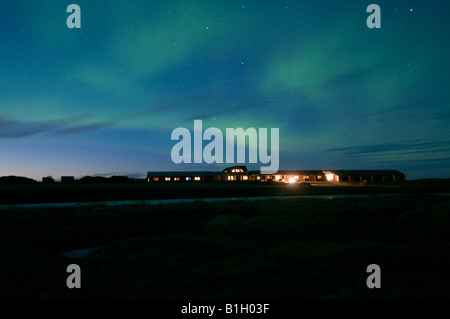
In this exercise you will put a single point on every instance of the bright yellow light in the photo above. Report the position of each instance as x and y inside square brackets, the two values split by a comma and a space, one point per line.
[197, 178]
[278, 177]
[330, 177]
[292, 180]
[296, 177]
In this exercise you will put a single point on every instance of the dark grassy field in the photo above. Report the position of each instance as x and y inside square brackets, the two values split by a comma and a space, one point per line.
[310, 248]
[63, 193]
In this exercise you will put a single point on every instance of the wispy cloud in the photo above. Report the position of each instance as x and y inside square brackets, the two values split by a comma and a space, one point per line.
[416, 105]
[17, 129]
[418, 116]
[435, 108]
[21, 129]
[351, 77]
[409, 151]
[81, 128]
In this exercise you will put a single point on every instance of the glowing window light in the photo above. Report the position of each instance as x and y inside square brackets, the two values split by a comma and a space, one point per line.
[167, 179]
[197, 178]
[296, 178]
[245, 178]
[330, 177]
[291, 180]
[278, 177]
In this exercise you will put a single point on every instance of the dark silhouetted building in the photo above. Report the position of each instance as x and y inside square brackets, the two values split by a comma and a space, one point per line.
[241, 174]
[67, 179]
[48, 180]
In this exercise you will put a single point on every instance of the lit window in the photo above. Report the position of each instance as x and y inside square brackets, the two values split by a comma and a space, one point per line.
[245, 178]
[155, 179]
[188, 178]
[233, 171]
[258, 177]
[176, 179]
[197, 178]
[231, 178]
[291, 180]
[278, 177]
[330, 177]
[296, 178]
[167, 179]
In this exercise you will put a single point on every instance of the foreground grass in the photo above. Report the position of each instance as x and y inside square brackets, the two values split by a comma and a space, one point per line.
[67, 193]
[267, 249]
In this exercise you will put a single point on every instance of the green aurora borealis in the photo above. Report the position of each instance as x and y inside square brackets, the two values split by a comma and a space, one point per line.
[105, 98]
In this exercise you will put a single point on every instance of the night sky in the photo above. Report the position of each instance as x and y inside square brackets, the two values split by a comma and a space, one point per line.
[104, 99]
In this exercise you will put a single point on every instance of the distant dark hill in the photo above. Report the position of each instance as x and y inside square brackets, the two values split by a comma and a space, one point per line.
[16, 180]
[120, 179]
[104, 180]
[93, 180]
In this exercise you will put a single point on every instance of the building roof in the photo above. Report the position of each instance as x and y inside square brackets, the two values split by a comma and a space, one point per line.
[183, 174]
[365, 172]
[283, 172]
[229, 170]
[336, 172]
[291, 172]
